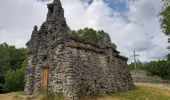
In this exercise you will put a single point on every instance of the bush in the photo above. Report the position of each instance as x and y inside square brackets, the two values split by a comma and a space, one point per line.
[14, 80]
[139, 66]
[159, 68]
[82, 88]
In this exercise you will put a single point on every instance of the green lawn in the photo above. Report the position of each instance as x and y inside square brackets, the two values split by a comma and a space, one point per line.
[142, 91]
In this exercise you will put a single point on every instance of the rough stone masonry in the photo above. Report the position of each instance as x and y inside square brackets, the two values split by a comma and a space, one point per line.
[69, 60]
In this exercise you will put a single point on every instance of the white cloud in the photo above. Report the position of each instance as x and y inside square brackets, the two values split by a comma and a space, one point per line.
[17, 39]
[141, 32]
[18, 18]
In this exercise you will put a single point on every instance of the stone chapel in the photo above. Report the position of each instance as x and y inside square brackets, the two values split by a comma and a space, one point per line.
[60, 61]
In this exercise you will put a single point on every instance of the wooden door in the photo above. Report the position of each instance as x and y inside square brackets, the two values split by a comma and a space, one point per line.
[45, 75]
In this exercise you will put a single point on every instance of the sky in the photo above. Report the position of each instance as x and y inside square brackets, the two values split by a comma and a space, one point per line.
[132, 24]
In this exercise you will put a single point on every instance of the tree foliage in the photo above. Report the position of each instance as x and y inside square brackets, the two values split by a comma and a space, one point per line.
[138, 64]
[94, 36]
[160, 68]
[168, 57]
[165, 17]
[14, 80]
[12, 64]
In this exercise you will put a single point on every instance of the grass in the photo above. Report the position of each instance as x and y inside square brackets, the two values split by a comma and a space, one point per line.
[13, 96]
[143, 91]
[168, 85]
[52, 97]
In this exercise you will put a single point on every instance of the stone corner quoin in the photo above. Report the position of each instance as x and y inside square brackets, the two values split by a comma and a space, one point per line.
[59, 61]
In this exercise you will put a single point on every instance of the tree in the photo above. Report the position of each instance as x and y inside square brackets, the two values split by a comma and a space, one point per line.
[168, 57]
[140, 66]
[165, 17]
[12, 60]
[99, 37]
[14, 80]
[159, 68]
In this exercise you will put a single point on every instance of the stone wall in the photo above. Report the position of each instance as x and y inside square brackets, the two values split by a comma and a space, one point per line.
[72, 60]
[103, 72]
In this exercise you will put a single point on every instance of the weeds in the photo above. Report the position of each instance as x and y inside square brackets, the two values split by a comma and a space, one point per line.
[50, 96]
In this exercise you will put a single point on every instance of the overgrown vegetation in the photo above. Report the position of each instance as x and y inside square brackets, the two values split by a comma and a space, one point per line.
[83, 88]
[160, 68]
[94, 36]
[45, 95]
[51, 96]
[12, 68]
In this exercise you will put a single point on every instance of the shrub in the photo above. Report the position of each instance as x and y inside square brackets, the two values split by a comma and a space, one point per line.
[14, 80]
[82, 88]
[159, 68]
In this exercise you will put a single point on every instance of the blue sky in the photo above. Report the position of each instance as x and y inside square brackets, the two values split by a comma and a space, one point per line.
[132, 24]
[120, 6]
